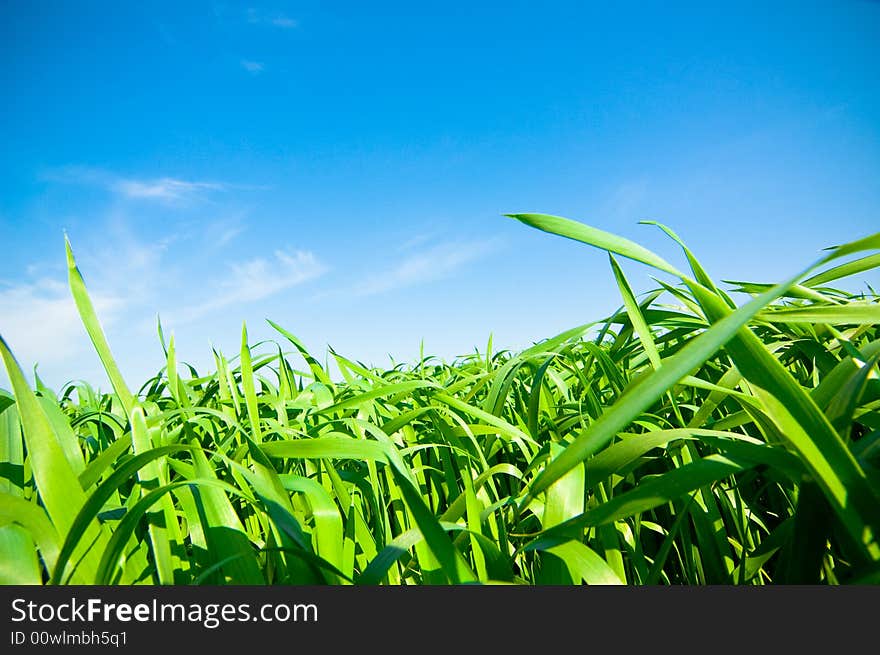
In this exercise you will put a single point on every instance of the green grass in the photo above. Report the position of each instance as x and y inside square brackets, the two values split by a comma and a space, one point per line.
[687, 439]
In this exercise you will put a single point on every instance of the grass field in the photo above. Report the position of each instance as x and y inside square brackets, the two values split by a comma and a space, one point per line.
[687, 439]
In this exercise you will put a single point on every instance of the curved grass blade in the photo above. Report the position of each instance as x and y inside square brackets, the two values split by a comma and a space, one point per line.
[649, 390]
[11, 448]
[222, 526]
[32, 518]
[565, 227]
[330, 447]
[160, 529]
[808, 431]
[850, 313]
[315, 367]
[57, 483]
[441, 545]
[19, 564]
[81, 521]
[843, 270]
[582, 561]
[328, 532]
[651, 493]
[247, 383]
[95, 332]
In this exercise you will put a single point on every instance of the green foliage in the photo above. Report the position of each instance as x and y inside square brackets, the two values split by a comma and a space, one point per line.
[686, 439]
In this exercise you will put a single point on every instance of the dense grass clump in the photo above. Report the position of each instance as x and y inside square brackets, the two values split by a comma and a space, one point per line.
[686, 439]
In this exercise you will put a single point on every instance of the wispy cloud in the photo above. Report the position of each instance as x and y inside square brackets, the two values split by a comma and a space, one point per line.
[253, 67]
[434, 263]
[41, 323]
[130, 277]
[418, 240]
[126, 274]
[626, 199]
[224, 234]
[256, 279]
[124, 262]
[165, 189]
[259, 17]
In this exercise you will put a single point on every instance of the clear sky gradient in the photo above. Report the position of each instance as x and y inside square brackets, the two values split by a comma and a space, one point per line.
[342, 168]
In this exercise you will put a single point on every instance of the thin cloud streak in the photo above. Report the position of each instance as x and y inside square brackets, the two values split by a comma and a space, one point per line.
[166, 188]
[257, 279]
[435, 263]
[227, 235]
[163, 189]
[418, 240]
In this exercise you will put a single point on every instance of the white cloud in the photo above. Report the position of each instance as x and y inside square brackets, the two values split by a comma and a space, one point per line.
[418, 240]
[163, 189]
[130, 279]
[124, 274]
[256, 279]
[253, 67]
[434, 263]
[227, 234]
[41, 324]
[626, 200]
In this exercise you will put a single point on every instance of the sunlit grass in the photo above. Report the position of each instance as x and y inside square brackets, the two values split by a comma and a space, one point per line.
[698, 435]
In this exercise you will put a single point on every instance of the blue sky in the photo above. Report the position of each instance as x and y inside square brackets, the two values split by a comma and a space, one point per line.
[342, 168]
